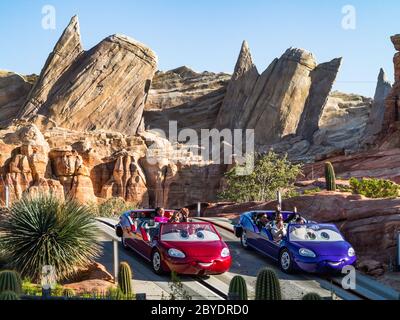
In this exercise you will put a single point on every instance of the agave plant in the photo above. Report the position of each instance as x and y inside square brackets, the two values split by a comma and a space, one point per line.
[44, 230]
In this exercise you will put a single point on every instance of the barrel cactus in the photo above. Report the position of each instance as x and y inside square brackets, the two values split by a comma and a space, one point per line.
[312, 296]
[330, 178]
[10, 281]
[68, 293]
[125, 279]
[9, 295]
[268, 286]
[238, 287]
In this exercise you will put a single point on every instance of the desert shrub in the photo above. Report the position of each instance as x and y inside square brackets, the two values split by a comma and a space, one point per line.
[44, 230]
[112, 207]
[374, 188]
[311, 191]
[271, 173]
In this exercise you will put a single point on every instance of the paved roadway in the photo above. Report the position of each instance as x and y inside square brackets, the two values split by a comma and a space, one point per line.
[245, 263]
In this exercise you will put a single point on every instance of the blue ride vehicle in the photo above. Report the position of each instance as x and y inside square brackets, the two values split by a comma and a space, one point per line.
[311, 247]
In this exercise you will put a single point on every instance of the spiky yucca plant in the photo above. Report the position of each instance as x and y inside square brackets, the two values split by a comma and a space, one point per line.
[44, 230]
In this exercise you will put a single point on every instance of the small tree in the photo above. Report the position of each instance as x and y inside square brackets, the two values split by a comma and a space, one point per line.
[271, 173]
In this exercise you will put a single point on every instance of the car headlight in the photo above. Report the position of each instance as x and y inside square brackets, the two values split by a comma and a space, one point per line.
[351, 252]
[307, 253]
[175, 253]
[225, 253]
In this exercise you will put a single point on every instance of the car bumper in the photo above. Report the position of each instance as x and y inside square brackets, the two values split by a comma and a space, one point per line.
[324, 265]
[199, 267]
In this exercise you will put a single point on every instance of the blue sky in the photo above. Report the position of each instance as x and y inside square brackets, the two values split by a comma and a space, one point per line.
[207, 34]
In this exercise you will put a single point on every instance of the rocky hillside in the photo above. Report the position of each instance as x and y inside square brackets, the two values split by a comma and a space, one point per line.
[191, 99]
[79, 128]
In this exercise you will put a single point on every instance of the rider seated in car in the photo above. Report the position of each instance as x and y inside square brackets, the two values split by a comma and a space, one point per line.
[262, 221]
[160, 215]
[278, 230]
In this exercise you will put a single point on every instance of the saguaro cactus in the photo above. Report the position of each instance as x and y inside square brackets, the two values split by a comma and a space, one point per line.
[312, 296]
[268, 286]
[125, 279]
[330, 178]
[9, 295]
[10, 281]
[238, 287]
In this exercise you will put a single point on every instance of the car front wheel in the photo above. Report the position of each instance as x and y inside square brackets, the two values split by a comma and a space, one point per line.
[244, 240]
[124, 243]
[156, 262]
[286, 261]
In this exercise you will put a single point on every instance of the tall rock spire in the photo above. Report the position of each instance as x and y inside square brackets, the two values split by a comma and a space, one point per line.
[244, 62]
[375, 121]
[323, 77]
[238, 91]
[65, 52]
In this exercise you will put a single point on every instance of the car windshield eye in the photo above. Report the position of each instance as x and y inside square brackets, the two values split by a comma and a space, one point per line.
[325, 236]
[184, 234]
[311, 235]
[200, 235]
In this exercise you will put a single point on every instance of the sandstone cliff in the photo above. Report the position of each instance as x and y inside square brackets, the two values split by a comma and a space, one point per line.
[273, 103]
[14, 89]
[85, 90]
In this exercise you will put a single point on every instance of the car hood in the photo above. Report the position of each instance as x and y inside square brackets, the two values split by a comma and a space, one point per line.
[339, 249]
[198, 249]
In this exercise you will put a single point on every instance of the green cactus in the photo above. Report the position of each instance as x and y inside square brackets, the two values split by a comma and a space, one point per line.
[125, 279]
[312, 296]
[330, 178]
[9, 295]
[68, 293]
[268, 286]
[10, 281]
[238, 286]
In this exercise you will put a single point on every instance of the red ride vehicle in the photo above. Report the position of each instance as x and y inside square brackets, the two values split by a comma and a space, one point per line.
[193, 248]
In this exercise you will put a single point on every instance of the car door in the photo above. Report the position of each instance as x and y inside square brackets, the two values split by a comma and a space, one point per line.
[142, 241]
[252, 231]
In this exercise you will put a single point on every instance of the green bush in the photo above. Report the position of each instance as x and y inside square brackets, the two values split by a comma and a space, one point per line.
[112, 207]
[270, 174]
[43, 230]
[375, 188]
[311, 191]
